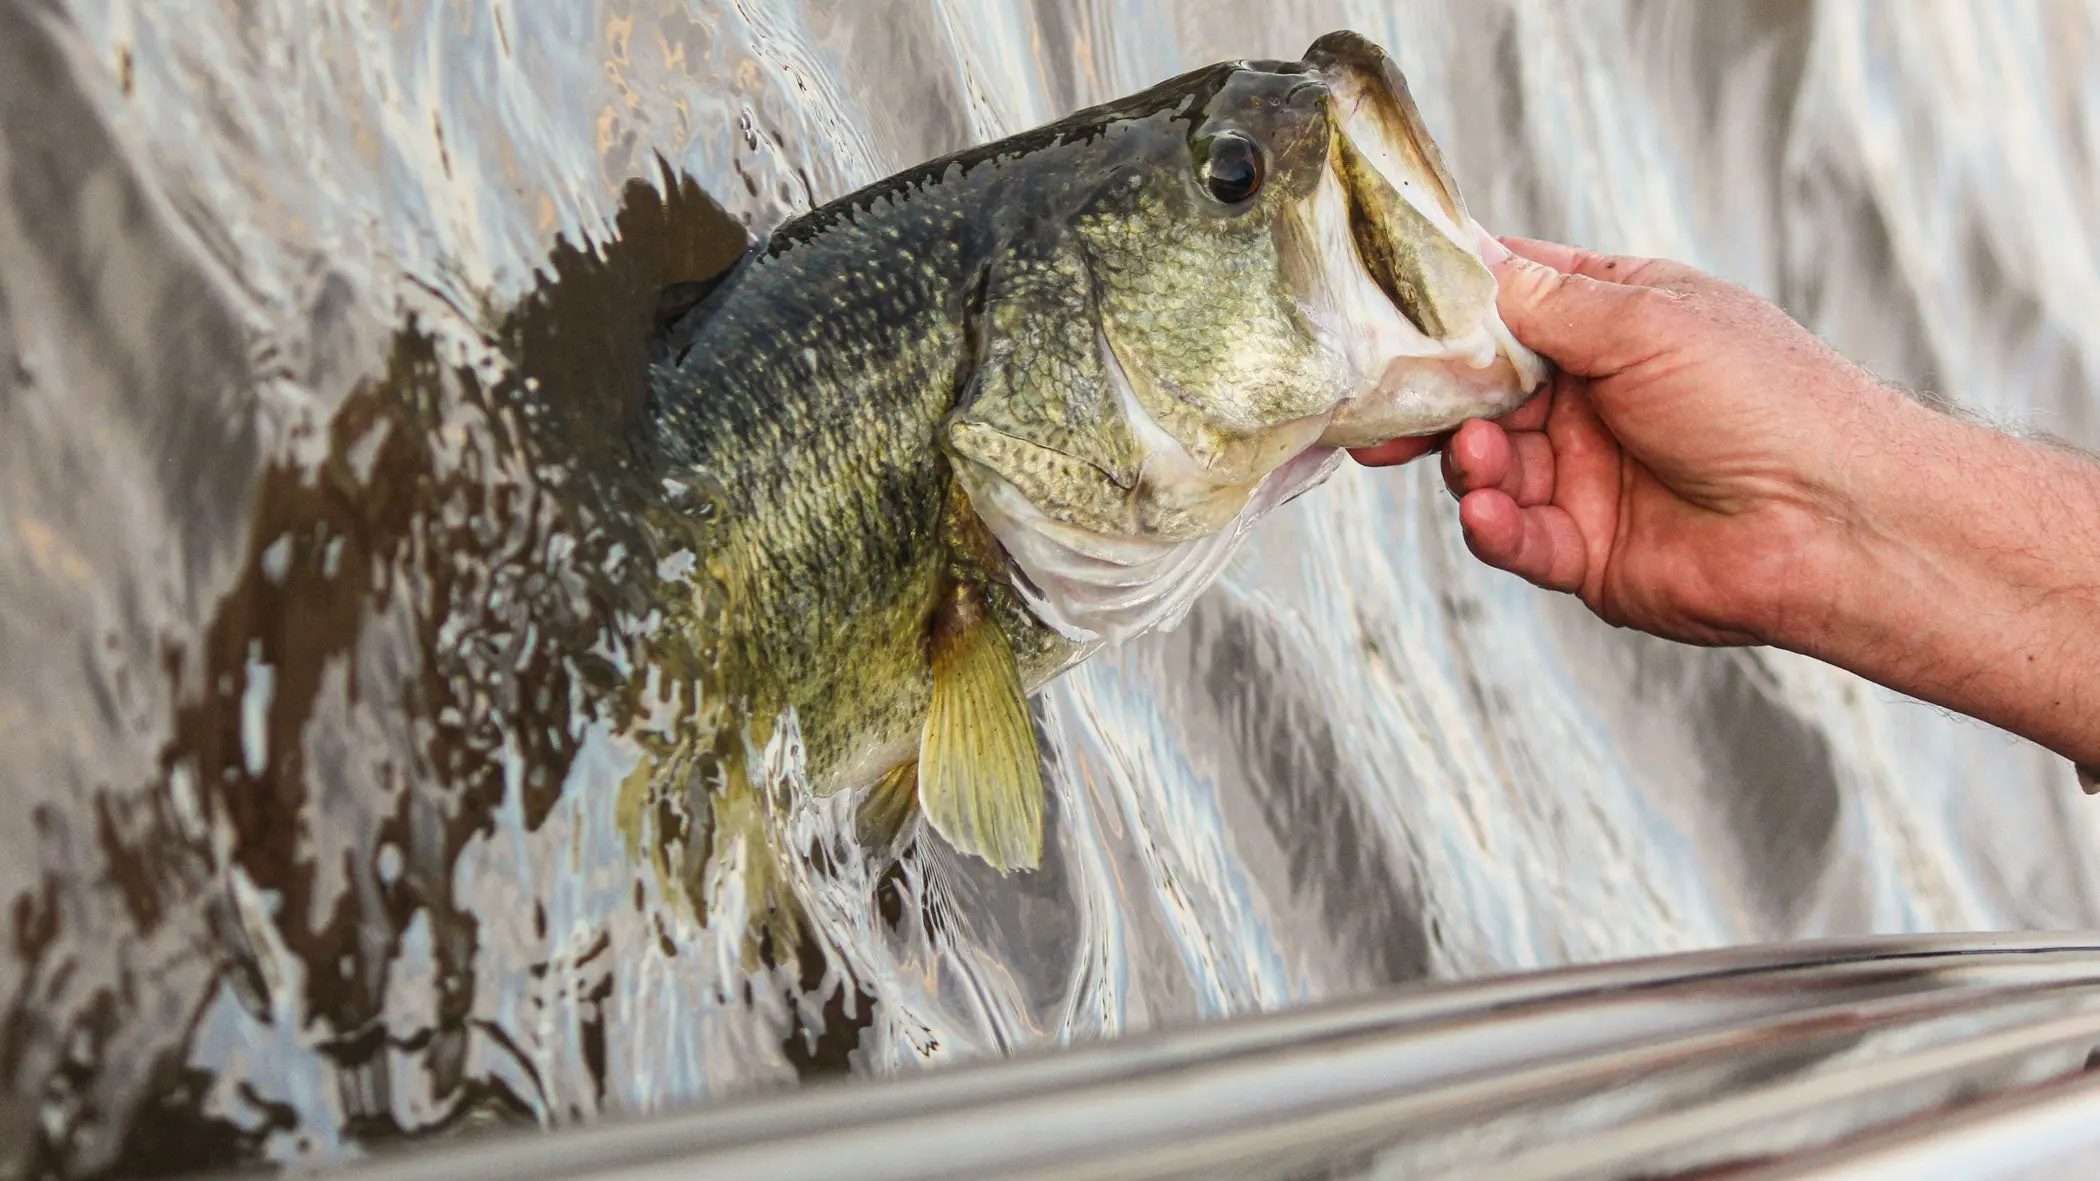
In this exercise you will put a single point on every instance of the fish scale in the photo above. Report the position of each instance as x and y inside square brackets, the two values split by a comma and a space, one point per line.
[961, 428]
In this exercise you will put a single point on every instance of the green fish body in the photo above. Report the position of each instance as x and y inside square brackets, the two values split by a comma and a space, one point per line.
[935, 442]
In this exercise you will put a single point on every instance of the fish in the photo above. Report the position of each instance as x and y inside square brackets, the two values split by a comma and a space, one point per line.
[935, 443]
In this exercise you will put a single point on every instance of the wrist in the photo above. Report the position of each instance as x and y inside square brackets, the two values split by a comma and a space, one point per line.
[1962, 567]
[1849, 528]
[1874, 544]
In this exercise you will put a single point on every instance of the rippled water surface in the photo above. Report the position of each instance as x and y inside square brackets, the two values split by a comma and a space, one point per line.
[323, 743]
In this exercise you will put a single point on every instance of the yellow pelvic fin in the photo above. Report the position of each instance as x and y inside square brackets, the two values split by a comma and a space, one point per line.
[980, 778]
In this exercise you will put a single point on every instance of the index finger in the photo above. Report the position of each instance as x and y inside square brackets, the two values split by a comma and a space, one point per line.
[1568, 260]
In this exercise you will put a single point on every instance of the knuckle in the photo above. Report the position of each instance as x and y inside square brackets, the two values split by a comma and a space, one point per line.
[1532, 282]
[1657, 302]
[1651, 313]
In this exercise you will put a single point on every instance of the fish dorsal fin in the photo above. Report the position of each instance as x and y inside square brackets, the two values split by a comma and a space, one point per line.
[684, 308]
[980, 778]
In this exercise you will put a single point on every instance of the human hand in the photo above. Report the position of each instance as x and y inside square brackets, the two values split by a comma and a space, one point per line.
[1703, 468]
[1685, 470]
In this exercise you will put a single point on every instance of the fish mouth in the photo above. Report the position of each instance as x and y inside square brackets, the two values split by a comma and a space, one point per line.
[1402, 281]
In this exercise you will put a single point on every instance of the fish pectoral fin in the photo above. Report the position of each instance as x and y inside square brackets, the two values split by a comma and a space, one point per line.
[980, 778]
[1065, 487]
[881, 816]
[1041, 411]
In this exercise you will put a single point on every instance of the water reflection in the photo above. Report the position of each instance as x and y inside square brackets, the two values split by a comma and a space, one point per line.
[427, 622]
[351, 802]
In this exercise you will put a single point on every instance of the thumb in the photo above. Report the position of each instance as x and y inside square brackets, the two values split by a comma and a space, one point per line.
[1588, 327]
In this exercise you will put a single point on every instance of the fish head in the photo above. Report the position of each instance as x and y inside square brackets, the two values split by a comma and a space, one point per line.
[1276, 264]
[1296, 253]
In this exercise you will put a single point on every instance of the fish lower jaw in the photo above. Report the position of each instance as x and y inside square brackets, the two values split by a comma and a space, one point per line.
[1417, 396]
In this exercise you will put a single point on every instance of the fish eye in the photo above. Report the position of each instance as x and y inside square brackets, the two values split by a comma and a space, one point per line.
[1232, 168]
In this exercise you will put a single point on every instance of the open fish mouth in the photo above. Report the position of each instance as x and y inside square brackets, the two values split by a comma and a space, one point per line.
[1394, 264]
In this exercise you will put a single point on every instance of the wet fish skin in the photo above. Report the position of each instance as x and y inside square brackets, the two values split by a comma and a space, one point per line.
[1039, 387]
[802, 421]
[806, 410]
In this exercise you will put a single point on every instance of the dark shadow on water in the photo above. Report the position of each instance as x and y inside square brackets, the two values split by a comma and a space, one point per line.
[449, 594]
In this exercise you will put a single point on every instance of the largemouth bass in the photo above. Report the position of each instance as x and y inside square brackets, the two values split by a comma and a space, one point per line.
[945, 437]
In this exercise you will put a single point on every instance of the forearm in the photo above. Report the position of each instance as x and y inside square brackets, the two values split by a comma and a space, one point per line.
[1971, 579]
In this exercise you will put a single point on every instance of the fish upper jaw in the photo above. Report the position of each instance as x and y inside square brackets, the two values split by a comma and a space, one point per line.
[1388, 266]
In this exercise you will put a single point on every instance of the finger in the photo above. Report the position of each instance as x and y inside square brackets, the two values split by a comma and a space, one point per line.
[1394, 452]
[1587, 327]
[1477, 457]
[1587, 462]
[1531, 416]
[1541, 545]
[1605, 268]
[1569, 260]
[1483, 455]
[1530, 478]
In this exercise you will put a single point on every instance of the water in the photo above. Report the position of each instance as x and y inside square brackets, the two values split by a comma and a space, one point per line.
[318, 736]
